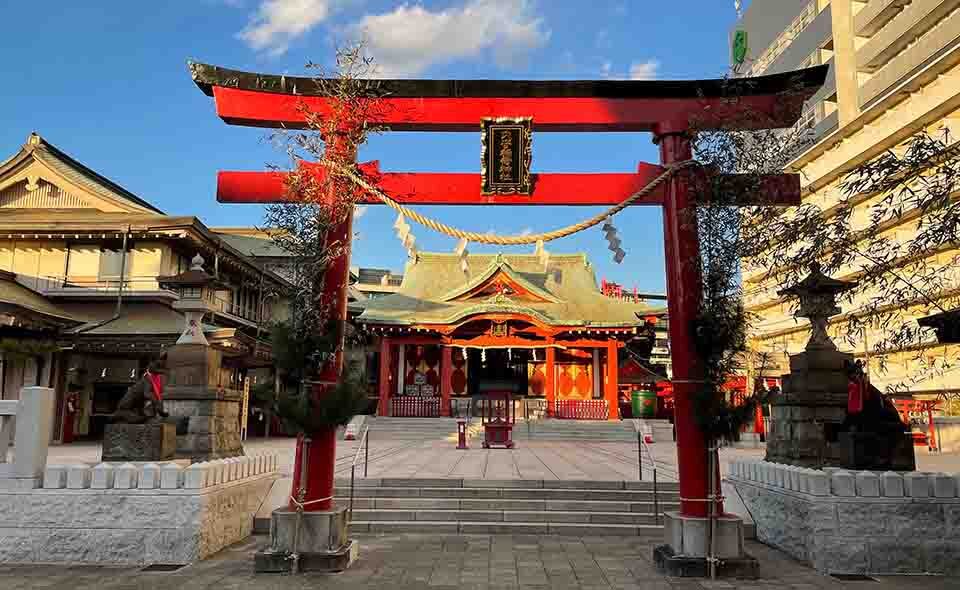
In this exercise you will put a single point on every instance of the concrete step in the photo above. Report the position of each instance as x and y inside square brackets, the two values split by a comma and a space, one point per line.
[556, 516]
[511, 528]
[507, 493]
[427, 504]
[428, 482]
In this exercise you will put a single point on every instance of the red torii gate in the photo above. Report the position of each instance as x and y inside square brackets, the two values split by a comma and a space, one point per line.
[668, 109]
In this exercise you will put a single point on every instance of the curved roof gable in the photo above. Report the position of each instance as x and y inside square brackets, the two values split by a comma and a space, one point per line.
[435, 290]
[500, 272]
[39, 164]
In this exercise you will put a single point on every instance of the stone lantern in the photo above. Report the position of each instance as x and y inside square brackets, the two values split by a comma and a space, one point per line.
[818, 303]
[812, 404]
[206, 412]
[197, 291]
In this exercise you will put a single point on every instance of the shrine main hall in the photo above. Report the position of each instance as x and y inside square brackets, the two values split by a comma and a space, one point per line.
[533, 326]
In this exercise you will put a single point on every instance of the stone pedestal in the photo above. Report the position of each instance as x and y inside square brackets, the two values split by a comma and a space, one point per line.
[320, 545]
[207, 412]
[813, 404]
[685, 552]
[139, 442]
[891, 450]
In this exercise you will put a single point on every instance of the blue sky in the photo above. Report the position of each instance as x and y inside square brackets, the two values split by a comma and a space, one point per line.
[106, 81]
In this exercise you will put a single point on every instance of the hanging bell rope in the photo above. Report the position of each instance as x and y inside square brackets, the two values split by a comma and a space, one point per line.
[508, 240]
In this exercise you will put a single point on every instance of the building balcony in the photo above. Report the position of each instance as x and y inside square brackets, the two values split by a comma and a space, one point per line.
[904, 29]
[875, 15]
[139, 289]
[914, 57]
[98, 288]
[245, 315]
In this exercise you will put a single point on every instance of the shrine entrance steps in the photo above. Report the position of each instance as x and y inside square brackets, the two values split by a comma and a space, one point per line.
[464, 506]
[586, 430]
[392, 428]
[545, 429]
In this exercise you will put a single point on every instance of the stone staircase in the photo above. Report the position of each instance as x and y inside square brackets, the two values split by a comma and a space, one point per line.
[427, 429]
[608, 508]
[586, 430]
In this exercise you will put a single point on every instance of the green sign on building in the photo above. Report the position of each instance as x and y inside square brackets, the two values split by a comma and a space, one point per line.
[739, 47]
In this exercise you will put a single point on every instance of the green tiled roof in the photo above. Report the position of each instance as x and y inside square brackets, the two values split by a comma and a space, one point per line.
[568, 285]
[16, 295]
[253, 246]
[142, 319]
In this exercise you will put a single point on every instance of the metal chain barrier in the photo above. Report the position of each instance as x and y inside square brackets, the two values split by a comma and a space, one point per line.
[485, 238]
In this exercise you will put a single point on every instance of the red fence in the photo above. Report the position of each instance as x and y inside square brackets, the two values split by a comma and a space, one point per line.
[576, 409]
[412, 406]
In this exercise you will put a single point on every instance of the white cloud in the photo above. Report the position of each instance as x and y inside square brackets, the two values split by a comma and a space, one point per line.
[411, 38]
[639, 70]
[644, 70]
[277, 23]
[526, 231]
[359, 211]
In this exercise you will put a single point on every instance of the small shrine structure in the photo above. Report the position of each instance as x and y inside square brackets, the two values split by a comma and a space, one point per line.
[510, 323]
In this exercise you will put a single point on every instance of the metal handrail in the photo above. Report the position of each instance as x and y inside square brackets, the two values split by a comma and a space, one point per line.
[641, 446]
[365, 447]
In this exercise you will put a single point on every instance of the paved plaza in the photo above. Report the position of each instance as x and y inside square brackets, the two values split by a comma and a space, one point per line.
[579, 460]
[465, 562]
[472, 562]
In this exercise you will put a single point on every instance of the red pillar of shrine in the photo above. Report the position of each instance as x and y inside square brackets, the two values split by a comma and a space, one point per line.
[682, 250]
[612, 382]
[446, 379]
[322, 451]
[386, 356]
[550, 383]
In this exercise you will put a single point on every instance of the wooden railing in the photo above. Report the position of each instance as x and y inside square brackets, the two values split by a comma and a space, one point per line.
[414, 406]
[576, 409]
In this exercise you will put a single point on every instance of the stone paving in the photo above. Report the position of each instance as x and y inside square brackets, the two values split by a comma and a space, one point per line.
[529, 460]
[458, 562]
[440, 459]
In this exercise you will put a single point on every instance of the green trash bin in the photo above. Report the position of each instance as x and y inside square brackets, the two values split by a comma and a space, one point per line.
[644, 403]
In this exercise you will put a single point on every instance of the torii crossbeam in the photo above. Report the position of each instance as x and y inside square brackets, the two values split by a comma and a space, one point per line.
[668, 109]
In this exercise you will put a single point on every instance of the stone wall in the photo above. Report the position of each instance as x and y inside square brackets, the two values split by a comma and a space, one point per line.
[854, 522]
[125, 514]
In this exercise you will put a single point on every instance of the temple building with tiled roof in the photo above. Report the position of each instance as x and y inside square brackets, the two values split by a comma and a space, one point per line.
[82, 304]
[516, 323]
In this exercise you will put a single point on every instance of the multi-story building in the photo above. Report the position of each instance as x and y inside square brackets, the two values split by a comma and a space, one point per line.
[371, 283]
[894, 70]
[83, 303]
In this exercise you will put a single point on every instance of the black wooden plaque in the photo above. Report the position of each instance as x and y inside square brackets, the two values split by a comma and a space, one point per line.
[506, 156]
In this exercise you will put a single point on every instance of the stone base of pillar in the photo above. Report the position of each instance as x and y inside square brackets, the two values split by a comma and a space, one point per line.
[320, 545]
[139, 442]
[207, 415]
[684, 553]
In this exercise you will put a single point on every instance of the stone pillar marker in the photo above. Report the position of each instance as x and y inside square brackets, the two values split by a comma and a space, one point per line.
[33, 415]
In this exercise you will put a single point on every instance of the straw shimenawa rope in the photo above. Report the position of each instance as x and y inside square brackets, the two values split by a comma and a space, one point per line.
[485, 238]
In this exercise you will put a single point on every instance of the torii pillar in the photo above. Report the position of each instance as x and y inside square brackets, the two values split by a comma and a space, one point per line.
[317, 487]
